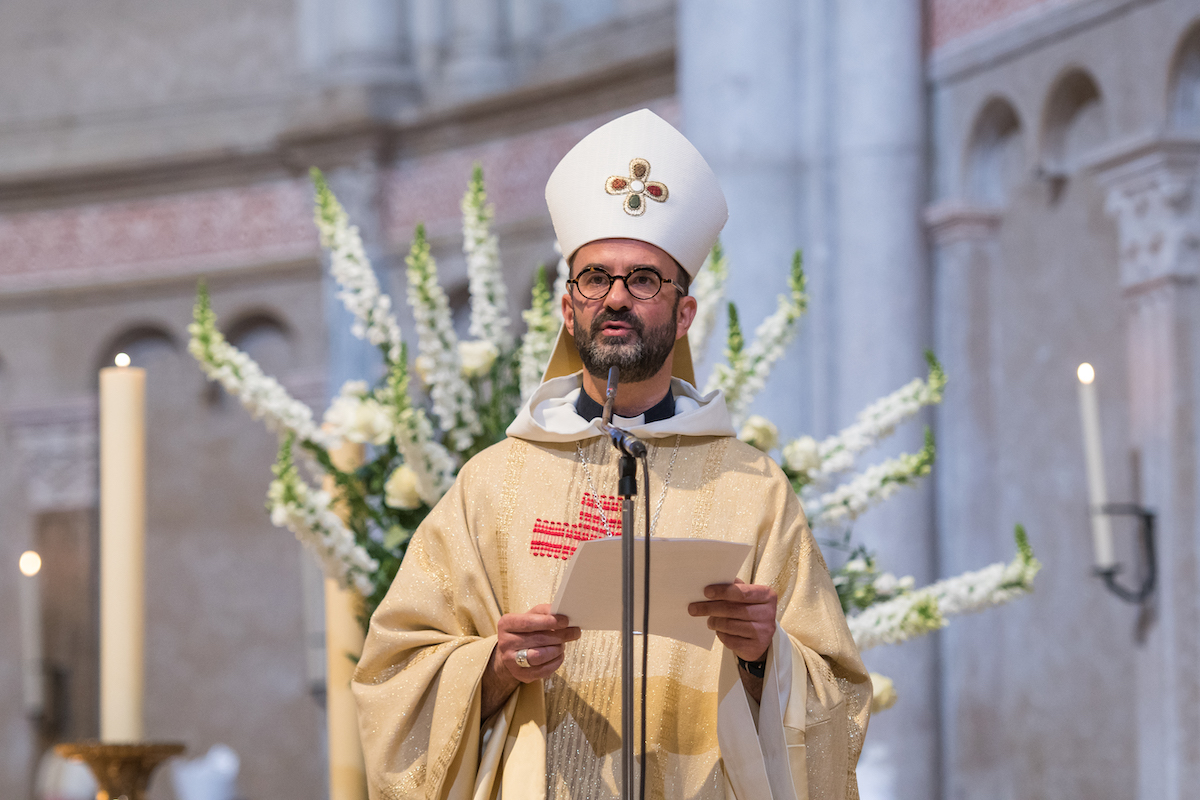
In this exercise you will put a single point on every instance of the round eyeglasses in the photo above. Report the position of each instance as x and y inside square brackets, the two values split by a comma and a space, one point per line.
[643, 283]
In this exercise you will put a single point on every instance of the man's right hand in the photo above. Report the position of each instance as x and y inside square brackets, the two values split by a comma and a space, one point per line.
[543, 637]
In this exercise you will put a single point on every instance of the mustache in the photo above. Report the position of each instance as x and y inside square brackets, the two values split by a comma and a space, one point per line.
[623, 317]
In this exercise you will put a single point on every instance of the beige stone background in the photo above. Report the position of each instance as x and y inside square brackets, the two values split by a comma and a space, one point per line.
[1011, 182]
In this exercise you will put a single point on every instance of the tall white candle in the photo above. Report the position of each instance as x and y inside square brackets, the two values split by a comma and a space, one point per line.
[30, 602]
[1089, 411]
[122, 550]
[343, 646]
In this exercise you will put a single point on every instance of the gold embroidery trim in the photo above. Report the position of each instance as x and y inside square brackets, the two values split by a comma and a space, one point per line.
[515, 464]
[702, 508]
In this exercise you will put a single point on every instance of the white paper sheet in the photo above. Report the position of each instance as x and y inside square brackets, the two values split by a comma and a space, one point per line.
[590, 591]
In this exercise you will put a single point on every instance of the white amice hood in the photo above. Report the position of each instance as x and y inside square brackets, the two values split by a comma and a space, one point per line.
[550, 416]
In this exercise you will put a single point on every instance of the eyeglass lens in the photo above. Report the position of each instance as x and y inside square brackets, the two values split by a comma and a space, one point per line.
[641, 283]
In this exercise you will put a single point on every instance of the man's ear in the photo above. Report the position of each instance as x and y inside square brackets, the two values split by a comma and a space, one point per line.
[568, 312]
[685, 315]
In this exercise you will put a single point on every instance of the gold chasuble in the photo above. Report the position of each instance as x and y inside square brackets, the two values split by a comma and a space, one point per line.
[499, 541]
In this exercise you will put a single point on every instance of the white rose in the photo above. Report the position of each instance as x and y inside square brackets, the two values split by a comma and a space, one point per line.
[353, 389]
[883, 693]
[886, 583]
[424, 366]
[372, 423]
[400, 491]
[801, 455]
[477, 357]
[760, 432]
[359, 421]
[340, 414]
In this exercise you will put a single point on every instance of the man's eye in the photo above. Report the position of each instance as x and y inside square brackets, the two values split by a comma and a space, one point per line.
[645, 279]
[593, 280]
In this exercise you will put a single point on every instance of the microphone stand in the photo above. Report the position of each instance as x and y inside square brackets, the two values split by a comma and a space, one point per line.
[631, 449]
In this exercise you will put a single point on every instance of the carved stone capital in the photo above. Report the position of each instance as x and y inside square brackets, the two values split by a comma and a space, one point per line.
[949, 222]
[58, 446]
[1153, 192]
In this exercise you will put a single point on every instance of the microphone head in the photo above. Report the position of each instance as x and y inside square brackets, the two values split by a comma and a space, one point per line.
[613, 374]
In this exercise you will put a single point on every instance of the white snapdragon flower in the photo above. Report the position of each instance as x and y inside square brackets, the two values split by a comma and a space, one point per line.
[801, 455]
[760, 432]
[709, 291]
[477, 357]
[424, 367]
[400, 491]
[350, 267]
[913, 614]
[489, 301]
[263, 396]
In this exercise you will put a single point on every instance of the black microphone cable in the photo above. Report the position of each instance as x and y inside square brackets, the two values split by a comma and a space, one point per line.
[645, 621]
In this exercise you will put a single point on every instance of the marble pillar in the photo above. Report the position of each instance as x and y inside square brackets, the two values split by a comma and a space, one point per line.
[741, 112]
[966, 254]
[812, 115]
[881, 322]
[1154, 195]
[476, 63]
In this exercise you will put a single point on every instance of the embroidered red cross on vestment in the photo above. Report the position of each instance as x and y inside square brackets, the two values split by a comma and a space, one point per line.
[559, 539]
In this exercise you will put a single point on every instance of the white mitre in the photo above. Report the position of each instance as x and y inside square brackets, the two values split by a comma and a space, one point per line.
[635, 178]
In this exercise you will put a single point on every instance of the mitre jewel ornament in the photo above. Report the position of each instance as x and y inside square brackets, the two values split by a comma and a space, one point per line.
[636, 187]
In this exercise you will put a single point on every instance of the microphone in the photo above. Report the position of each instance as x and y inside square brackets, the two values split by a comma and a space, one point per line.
[610, 394]
[624, 441]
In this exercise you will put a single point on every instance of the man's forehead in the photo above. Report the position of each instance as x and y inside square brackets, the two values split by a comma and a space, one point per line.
[626, 251]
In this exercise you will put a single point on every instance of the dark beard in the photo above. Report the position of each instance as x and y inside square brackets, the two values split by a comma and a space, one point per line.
[638, 360]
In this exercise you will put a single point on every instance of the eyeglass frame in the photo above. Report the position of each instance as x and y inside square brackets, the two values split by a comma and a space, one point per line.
[612, 281]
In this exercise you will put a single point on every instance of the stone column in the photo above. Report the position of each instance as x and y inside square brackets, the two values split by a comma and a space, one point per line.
[739, 85]
[476, 64]
[362, 48]
[965, 257]
[1154, 195]
[880, 327]
[812, 115]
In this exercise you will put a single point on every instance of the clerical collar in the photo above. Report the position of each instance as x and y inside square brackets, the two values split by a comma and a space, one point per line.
[589, 409]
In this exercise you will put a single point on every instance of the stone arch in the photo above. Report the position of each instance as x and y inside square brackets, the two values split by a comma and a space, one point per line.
[1184, 92]
[993, 157]
[142, 342]
[265, 336]
[1073, 122]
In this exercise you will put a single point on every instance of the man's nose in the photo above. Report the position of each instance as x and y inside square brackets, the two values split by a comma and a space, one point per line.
[618, 296]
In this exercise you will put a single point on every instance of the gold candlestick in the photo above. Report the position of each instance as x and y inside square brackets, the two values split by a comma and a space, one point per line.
[122, 770]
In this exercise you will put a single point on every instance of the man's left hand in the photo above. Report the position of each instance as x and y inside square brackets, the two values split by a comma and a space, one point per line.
[742, 614]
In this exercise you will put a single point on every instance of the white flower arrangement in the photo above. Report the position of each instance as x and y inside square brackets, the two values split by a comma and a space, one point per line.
[357, 417]
[243, 378]
[489, 299]
[308, 513]
[869, 488]
[541, 330]
[760, 432]
[926, 610]
[876, 422]
[561, 276]
[348, 263]
[708, 289]
[453, 399]
[432, 463]
[749, 366]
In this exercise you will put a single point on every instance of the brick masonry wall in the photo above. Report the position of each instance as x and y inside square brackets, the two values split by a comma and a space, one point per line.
[948, 20]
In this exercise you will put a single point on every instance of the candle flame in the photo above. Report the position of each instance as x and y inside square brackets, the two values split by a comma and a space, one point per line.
[1086, 373]
[30, 563]
[122, 360]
